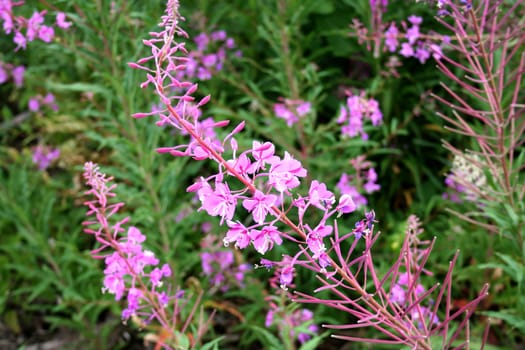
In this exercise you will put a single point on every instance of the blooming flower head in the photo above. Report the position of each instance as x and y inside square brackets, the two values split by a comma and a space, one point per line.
[18, 75]
[391, 37]
[284, 174]
[263, 240]
[353, 114]
[294, 320]
[319, 196]
[218, 202]
[259, 205]
[61, 21]
[209, 57]
[44, 156]
[292, 110]
[237, 233]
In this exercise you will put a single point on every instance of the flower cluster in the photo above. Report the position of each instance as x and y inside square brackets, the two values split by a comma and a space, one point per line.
[37, 101]
[466, 177]
[28, 29]
[43, 156]
[126, 265]
[365, 177]
[209, 57]
[220, 267]
[131, 271]
[417, 45]
[298, 323]
[8, 70]
[403, 290]
[291, 322]
[291, 110]
[355, 111]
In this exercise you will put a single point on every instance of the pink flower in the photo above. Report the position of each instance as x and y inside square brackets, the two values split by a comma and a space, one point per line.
[415, 20]
[49, 100]
[284, 174]
[156, 275]
[18, 75]
[291, 110]
[33, 25]
[241, 165]
[209, 60]
[3, 75]
[319, 196]
[43, 156]
[406, 50]
[263, 154]
[219, 202]
[61, 21]
[346, 204]
[315, 243]
[259, 205]
[304, 108]
[281, 111]
[412, 34]
[202, 41]
[286, 277]
[219, 35]
[20, 40]
[422, 54]
[391, 38]
[46, 33]
[237, 233]
[264, 240]
[8, 21]
[398, 294]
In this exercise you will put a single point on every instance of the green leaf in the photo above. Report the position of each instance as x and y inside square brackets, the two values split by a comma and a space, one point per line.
[314, 342]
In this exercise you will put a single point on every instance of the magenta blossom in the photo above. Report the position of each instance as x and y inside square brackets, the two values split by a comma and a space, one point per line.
[259, 205]
[291, 110]
[264, 239]
[61, 21]
[284, 174]
[218, 202]
[237, 233]
[44, 156]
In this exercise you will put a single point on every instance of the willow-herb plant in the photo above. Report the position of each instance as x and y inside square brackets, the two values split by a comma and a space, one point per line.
[264, 184]
[489, 40]
[487, 60]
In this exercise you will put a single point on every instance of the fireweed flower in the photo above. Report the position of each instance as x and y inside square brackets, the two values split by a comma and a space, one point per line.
[43, 156]
[291, 110]
[290, 322]
[129, 267]
[353, 114]
[209, 57]
[259, 205]
[37, 101]
[391, 36]
[365, 177]
[28, 29]
[18, 75]
[220, 267]
[401, 294]
[61, 21]
[131, 272]
[16, 72]
[3, 74]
